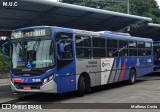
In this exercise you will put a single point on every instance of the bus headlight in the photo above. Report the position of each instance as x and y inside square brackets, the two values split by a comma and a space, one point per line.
[51, 77]
[47, 79]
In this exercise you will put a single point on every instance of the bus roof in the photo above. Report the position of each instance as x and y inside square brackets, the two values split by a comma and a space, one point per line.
[108, 34]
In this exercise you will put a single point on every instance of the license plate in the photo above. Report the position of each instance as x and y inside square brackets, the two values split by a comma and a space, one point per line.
[26, 87]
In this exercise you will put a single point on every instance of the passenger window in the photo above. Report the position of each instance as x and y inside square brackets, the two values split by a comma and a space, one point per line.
[132, 48]
[132, 44]
[98, 42]
[148, 46]
[83, 41]
[141, 53]
[68, 52]
[83, 52]
[112, 50]
[66, 57]
[123, 44]
[141, 45]
[112, 43]
[99, 49]
[123, 52]
[123, 48]
[132, 52]
[83, 46]
[97, 52]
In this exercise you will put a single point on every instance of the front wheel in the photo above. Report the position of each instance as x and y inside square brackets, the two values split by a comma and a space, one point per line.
[81, 86]
[132, 76]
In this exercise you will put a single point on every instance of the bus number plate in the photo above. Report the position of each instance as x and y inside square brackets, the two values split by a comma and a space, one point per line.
[26, 87]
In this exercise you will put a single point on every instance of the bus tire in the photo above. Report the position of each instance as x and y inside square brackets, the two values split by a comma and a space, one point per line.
[81, 86]
[132, 76]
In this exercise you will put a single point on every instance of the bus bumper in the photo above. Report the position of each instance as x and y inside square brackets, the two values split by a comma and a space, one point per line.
[49, 87]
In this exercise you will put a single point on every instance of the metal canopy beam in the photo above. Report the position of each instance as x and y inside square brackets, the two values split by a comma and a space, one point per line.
[151, 30]
[48, 12]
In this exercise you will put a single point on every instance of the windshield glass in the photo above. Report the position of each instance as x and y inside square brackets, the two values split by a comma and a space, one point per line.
[32, 54]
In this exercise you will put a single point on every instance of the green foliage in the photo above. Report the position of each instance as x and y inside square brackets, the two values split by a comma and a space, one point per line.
[148, 8]
[3, 62]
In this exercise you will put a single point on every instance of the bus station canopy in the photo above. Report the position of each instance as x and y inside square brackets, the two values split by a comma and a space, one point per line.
[150, 30]
[50, 13]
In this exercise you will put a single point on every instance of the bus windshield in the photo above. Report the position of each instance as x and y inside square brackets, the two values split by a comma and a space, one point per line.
[32, 54]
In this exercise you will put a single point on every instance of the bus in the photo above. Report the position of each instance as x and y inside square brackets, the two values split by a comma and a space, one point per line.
[156, 47]
[51, 59]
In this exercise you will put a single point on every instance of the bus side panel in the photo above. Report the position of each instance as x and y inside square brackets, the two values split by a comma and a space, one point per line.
[143, 66]
[90, 66]
[67, 79]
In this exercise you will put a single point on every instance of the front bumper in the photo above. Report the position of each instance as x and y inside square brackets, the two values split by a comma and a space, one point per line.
[49, 87]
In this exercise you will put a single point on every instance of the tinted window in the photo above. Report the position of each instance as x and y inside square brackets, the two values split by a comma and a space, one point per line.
[133, 52]
[68, 52]
[83, 41]
[132, 44]
[148, 52]
[97, 52]
[111, 43]
[141, 53]
[83, 52]
[148, 45]
[98, 42]
[141, 44]
[123, 52]
[123, 44]
[112, 52]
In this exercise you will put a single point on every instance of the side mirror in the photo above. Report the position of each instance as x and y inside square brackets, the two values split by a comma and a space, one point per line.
[4, 50]
[61, 47]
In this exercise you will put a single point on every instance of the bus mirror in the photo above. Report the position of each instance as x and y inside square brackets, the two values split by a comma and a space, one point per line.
[4, 50]
[61, 47]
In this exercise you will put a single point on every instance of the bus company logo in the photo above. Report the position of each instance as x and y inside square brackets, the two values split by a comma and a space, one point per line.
[105, 64]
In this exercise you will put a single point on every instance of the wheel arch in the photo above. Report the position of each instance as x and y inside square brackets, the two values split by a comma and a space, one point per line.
[87, 79]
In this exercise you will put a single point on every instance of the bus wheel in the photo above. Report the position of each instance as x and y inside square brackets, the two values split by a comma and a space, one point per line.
[81, 86]
[132, 76]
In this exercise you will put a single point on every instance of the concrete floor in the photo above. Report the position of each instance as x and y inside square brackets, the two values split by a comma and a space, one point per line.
[146, 90]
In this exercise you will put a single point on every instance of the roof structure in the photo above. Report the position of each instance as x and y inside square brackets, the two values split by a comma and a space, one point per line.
[151, 30]
[48, 12]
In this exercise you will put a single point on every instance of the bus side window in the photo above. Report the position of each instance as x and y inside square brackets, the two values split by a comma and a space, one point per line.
[66, 57]
[148, 46]
[141, 48]
[83, 46]
[112, 46]
[68, 53]
[123, 48]
[132, 48]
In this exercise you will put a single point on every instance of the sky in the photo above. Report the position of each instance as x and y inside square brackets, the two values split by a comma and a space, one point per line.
[158, 1]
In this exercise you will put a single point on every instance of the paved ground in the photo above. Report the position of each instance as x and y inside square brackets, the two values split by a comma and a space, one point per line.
[146, 90]
[5, 81]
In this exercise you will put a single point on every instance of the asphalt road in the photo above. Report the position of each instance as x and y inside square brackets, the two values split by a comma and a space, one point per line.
[145, 90]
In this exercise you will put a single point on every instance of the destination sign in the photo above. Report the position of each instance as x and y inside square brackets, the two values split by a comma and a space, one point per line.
[30, 33]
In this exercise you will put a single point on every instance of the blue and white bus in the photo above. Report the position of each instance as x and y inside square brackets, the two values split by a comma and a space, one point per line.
[156, 47]
[57, 60]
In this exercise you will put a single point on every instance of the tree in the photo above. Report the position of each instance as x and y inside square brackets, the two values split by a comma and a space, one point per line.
[148, 8]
